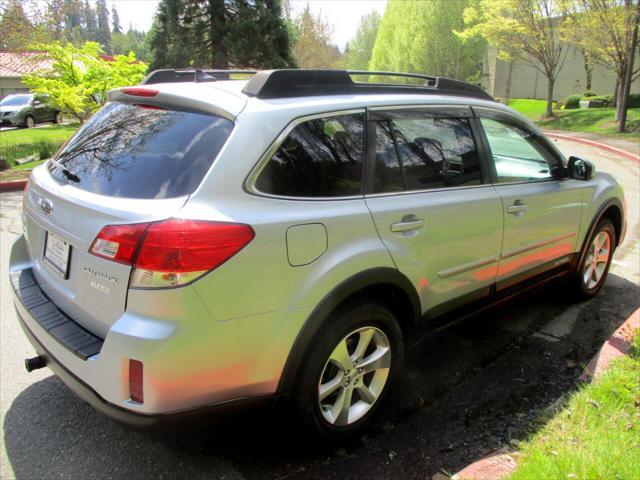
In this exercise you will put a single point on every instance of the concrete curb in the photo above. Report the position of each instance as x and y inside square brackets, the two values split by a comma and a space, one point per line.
[13, 186]
[616, 346]
[500, 464]
[618, 151]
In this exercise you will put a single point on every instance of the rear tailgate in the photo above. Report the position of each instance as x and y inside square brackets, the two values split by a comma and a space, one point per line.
[94, 292]
[129, 164]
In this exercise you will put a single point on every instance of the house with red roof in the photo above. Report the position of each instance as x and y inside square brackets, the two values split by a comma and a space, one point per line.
[13, 65]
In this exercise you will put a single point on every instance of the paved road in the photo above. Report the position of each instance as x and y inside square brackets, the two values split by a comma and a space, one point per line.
[465, 392]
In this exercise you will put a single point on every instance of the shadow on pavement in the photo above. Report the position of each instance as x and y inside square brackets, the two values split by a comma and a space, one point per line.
[465, 391]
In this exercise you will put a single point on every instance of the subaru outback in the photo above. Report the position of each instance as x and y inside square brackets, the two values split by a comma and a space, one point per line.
[210, 241]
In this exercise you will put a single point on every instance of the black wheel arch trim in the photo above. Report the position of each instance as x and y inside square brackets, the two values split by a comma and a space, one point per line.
[328, 304]
[612, 202]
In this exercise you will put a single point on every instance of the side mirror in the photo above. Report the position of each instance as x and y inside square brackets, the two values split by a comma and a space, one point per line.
[36, 103]
[580, 169]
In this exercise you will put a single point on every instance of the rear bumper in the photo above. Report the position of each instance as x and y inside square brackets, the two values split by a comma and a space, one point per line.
[190, 368]
[217, 411]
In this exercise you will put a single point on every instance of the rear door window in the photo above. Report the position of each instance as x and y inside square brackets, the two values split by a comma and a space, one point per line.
[136, 152]
[322, 157]
[424, 152]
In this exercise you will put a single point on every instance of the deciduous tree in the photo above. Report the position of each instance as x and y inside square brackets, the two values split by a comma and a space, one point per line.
[360, 49]
[79, 78]
[313, 47]
[419, 36]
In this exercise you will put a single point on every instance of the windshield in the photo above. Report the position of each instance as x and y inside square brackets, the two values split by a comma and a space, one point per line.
[141, 152]
[15, 101]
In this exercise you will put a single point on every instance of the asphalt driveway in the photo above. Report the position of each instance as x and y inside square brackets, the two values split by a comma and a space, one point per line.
[465, 391]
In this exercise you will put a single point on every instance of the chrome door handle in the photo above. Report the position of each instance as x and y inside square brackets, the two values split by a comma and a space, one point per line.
[517, 208]
[407, 226]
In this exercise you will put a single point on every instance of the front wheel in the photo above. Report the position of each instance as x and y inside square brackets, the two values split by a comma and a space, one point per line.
[29, 122]
[349, 370]
[594, 267]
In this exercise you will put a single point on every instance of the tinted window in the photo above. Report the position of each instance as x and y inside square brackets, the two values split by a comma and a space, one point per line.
[135, 152]
[424, 153]
[517, 153]
[16, 100]
[319, 158]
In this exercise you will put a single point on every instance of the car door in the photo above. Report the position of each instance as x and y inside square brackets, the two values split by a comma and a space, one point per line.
[542, 208]
[433, 204]
[40, 110]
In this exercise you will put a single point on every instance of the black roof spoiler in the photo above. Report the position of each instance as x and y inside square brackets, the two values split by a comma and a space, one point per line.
[271, 84]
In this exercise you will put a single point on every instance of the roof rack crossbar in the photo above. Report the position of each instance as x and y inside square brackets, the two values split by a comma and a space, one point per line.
[272, 84]
[192, 75]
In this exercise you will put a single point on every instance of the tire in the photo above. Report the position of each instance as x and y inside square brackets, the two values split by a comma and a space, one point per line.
[344, 331]
[592, 271]
[29, 121]
[57, 118]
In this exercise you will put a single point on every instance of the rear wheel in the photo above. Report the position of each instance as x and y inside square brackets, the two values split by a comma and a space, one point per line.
[29, 122]
[594, 267]
[57, 118]
[348, 371]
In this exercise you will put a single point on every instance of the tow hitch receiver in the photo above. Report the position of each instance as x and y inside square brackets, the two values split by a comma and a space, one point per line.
[35, 363]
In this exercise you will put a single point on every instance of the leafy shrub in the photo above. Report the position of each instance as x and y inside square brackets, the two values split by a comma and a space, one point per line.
[634, 100]
[43, 149]
[572, 101]
[605, 99]
[589, 93]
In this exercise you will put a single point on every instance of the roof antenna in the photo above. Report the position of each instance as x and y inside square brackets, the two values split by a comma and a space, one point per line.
[200, 76]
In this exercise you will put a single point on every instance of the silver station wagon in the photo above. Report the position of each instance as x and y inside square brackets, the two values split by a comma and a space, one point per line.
[205, 242]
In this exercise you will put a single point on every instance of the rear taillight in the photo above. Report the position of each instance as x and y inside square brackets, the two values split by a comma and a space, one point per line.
[171, 252]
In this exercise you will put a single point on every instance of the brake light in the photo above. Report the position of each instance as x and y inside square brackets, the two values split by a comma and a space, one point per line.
[139, 91]
[172, 252]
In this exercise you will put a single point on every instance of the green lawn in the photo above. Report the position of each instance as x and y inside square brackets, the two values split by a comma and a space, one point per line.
[595, 120]
[43, 141]
[597, 435]
[533, 109]
[50, 133]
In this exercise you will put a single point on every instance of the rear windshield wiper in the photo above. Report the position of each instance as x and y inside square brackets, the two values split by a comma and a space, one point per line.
[66, 172]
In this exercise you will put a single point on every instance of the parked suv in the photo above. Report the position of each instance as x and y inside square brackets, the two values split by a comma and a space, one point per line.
[26, 109]
[203, 243]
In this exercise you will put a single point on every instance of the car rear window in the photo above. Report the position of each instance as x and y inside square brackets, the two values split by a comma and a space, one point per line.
[140, 152]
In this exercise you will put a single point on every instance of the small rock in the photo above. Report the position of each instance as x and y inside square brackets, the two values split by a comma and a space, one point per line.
[392, 455]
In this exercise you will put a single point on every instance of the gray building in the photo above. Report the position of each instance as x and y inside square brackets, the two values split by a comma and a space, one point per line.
[528, 82]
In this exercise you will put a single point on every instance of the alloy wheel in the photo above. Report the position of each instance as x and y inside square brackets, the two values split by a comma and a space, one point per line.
[354, 376]
[597, 260]
[31, 122]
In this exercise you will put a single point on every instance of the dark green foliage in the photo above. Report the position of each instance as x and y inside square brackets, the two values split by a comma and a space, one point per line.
[115, 20]
[572, 101]
[219, 34]
[634, 100]
[589, 93]
[103, 34]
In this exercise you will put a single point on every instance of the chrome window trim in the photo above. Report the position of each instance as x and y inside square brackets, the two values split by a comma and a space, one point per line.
[429, 190]
[250, 181]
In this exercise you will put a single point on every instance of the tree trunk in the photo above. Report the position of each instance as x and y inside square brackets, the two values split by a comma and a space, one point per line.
[614, 97]
[507, 93]
[620, 93]
[549, 111]
[588, 69]
[624, 101]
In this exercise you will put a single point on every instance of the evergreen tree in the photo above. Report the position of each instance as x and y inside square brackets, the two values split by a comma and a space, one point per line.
[89, 22]
[103, 34]
[219, 34]
[115, 19]
[72, 20]
[15, 27]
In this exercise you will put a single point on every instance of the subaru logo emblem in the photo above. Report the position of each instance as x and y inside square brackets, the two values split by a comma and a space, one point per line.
[46, 206]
